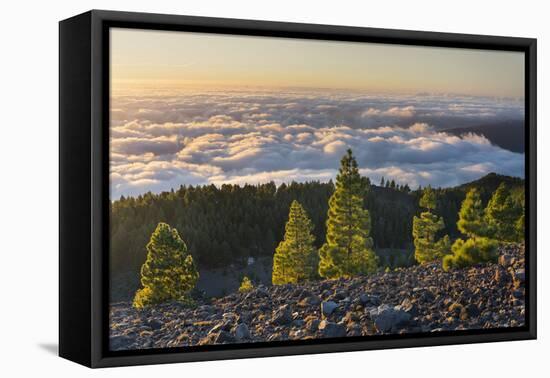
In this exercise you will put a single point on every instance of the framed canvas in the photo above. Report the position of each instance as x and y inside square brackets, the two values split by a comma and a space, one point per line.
[234, 188]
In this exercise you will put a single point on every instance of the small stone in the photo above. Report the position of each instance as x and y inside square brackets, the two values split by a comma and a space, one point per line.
[207, 308]
[339, 295]
[328, 307]
[369, 299]
[312, 324]
[245, 317]
[427, 296]
[330, 329]
[297, 323]
[505, 260]
[501, 276]
[224, 337]
[261, 292]
[183, 338]
[519, 277]
[518, 294]
[282, 316]
[222, 326]
[472, 310]
[311, 300]
[242, 332]
[456, 309]
[409, 307]
[155, 324]
[350, 317]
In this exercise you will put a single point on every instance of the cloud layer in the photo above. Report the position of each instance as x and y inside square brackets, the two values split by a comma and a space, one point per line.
[167, 140]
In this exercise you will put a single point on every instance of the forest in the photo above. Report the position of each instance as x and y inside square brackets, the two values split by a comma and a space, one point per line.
[224, 226]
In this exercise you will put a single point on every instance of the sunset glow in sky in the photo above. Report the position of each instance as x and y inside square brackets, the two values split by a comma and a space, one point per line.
[176, 59]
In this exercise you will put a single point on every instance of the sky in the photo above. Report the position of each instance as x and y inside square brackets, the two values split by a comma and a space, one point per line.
[190, 109]
[177, 58]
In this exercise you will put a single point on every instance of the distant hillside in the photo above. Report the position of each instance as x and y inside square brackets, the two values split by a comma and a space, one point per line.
[491, 181]
[509, 134]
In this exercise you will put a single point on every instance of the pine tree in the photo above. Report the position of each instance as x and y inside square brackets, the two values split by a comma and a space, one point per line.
[478, 248]
[169, 272]
[471, 221]
[348, 248]
[502, 214]
[246, 285]
[471, 252]
[428, 199]
[425, 229]
[295, 257]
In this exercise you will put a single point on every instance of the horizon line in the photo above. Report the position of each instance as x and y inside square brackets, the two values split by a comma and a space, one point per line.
[277, 186]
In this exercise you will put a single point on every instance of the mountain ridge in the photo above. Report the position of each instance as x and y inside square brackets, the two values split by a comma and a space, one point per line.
[507, 134]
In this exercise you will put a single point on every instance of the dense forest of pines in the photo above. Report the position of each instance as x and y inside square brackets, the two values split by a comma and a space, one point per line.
[226, 225]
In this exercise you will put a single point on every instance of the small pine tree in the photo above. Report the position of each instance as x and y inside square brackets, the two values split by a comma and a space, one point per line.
[246, 285]
[425, 229]
[169, 272]
[295, 258]
[472, 221]
[502, 214]
[471, 252]
[348, 248]
[478, 248]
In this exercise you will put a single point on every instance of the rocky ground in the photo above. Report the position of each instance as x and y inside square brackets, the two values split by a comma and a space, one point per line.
[410, 300]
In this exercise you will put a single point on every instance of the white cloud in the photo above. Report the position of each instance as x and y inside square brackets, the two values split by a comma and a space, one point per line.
[396, 111]
[159, 143]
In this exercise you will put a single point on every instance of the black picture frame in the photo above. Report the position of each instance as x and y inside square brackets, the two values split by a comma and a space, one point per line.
[84, 185]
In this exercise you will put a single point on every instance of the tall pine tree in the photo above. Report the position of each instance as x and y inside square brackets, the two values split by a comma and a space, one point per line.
[295, 258]
[348, 248]
[169, 272]
[425, 229]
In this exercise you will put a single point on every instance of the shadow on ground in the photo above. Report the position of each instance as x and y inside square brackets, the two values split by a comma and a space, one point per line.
[51, 348]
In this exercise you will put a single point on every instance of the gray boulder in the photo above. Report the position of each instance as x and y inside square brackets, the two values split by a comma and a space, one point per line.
[369, 300]
[519, 277]
[282, 316]
[329, 329]
[328, 307]
[241, 332]
[310, 300]
[224, 337]
[505, 260]
[388, 318]
[120, 342]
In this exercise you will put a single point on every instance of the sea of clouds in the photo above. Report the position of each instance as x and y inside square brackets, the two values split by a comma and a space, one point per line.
[164, 140]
